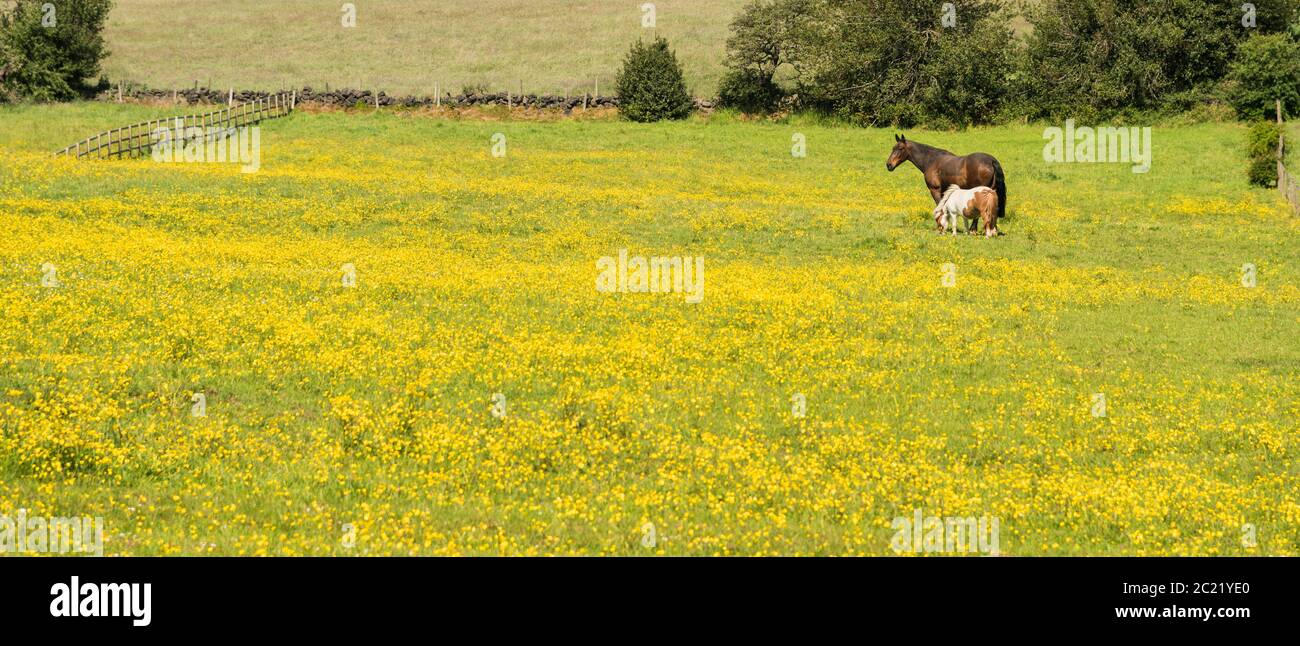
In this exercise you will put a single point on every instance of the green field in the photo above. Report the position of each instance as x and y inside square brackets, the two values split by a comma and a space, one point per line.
[407, 46]
[358, 420]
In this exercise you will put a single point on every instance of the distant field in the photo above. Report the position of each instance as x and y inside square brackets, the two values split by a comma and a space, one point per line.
[405, 46]
[368, 407]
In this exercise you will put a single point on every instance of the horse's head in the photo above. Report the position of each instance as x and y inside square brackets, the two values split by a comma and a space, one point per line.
[899, 154]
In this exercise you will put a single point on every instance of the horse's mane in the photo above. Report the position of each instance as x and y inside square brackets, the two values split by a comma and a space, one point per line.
[929, 148]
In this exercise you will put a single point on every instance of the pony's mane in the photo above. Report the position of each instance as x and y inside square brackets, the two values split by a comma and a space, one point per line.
[943, 200]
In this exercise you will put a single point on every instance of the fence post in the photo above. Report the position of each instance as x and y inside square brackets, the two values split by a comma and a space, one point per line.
[1281, 135]
[1281, 132]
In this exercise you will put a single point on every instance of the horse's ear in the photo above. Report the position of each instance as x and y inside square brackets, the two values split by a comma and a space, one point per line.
[896, 139]
[902, 138]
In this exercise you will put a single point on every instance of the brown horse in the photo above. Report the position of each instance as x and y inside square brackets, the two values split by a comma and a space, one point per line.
[942, 169]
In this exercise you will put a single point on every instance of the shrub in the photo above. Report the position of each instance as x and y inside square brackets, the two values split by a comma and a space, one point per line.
[749, 91]
[51, 56]
[1267, 69]
[1261, 146]
[651, 86]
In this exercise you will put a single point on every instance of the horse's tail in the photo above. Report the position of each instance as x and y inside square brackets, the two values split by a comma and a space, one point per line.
[1000, 185]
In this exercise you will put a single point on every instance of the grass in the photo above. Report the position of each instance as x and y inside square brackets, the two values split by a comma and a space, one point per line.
[332, 409]
[406, 46]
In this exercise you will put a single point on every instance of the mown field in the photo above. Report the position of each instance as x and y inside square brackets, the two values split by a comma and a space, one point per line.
[369, 408]
[406, 46]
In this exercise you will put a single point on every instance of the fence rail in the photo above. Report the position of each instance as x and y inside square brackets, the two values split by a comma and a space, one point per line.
[138, 139]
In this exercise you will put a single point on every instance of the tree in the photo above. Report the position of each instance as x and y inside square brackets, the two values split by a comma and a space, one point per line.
[1267, 69]
[880, 61]
[51, 50]
[1093, 57]
[764, 39]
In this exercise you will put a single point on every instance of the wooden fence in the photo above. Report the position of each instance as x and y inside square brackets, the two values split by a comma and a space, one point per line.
[138, 139]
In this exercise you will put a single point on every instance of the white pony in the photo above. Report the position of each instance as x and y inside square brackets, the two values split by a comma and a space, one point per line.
[968, 203]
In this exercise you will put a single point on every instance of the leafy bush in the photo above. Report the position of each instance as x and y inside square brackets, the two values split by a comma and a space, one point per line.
[51, 56]
[651, 86]
[749, 91]
[1261, 146]
[1267, 69]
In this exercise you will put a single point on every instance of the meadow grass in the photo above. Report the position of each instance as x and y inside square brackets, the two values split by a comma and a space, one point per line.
[368, 409]
[407, 46]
